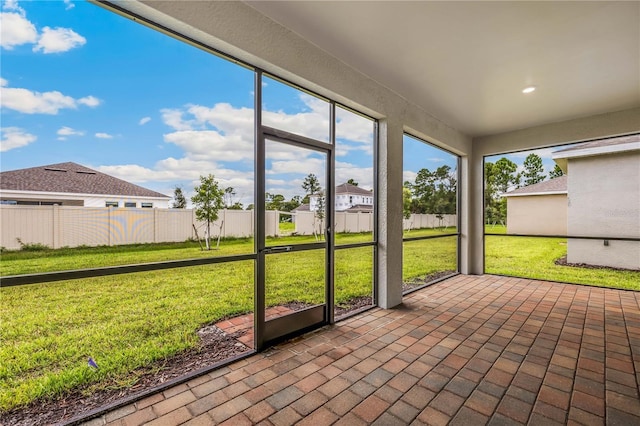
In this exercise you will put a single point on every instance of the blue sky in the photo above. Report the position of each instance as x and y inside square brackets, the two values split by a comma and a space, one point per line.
[82, 84]
[419, 155]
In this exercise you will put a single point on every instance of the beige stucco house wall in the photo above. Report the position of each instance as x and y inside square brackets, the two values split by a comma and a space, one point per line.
[538, 209]
[603, 201]
[544, 214]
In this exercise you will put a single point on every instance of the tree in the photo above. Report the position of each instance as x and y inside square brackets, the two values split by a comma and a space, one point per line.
[311, 185]
[229, 193]
[499, 178]
[319, 213]
[556, 172]
[533, 169]
[434, 192]
[406, 203]
[208, 200]
[179, 202]
[273, 201]
[352, 182]
[505, 175]
[292, 204]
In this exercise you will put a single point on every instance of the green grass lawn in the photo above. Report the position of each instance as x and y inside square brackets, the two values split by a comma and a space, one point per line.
[531, 257]
[29, 262]
[131, 320]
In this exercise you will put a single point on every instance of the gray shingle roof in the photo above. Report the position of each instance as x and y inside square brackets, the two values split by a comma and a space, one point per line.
[558, 184]
[347, 188]
[360, 208]
[71, 178]
[603, 142]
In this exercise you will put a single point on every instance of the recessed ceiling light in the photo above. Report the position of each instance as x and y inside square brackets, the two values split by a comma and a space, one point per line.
[529, 89]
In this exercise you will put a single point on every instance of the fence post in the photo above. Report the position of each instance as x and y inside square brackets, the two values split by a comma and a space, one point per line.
[56, 226]
[223, 231]
[110, 222]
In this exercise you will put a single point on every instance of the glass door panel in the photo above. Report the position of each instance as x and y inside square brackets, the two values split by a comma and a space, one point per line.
[294, 252]
[295, 199]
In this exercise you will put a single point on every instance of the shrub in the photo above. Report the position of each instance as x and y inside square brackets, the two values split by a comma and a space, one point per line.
[32, 246]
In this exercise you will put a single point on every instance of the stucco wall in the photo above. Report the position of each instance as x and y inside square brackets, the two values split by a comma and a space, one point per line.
[537, 215]
[604, 201]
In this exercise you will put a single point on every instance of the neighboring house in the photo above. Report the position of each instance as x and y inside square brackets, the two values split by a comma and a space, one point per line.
[70, 184]
[538, 209]
[348, 198]
[603, 201]
[599, 198]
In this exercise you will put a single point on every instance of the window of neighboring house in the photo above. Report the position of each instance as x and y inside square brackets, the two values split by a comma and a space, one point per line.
[9, 202]
[146, 205]
[111, 204]
[350, 200]
[129, 204]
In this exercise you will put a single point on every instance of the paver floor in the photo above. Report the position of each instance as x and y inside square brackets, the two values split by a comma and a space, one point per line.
[470, 350]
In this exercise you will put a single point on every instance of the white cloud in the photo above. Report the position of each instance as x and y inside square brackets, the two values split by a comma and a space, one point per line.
[30, 102]
[15, 137]
[16, 29]
[408, 175]
[69, 4]
[56, 40]
[362, 175]
[183, 169]
[312, 124]
[220, 140]
[316, 166]
[144, 121]
[353, 127]
[173, 118]
[103, 136]
[90, 101]
[68, 131]
[209, 144]
[11, 5]
[3, 82]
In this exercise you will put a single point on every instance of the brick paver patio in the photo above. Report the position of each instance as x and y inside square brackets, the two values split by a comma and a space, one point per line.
[470, 350]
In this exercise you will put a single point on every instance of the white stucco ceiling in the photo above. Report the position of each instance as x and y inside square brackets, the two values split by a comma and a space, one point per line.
[466, 63]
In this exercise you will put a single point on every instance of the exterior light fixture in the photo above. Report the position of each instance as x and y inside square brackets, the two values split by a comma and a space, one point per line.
[529, 89]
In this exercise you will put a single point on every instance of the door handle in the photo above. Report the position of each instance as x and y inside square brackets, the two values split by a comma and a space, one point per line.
[272, 250]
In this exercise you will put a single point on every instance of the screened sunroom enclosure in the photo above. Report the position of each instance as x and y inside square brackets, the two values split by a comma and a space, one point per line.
[348, 143]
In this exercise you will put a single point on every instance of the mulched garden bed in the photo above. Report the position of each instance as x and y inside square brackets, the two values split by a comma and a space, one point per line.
[421, 281]
[562, 261]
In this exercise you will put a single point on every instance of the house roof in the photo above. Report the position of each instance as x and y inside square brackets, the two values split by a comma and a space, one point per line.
[548, 187]
[603, 143]
[71, 178]
[347, 188]
[360, 208]
[302, 208]
[622, 144]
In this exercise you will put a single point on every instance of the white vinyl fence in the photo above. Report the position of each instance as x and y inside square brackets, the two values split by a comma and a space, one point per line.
[71, 226]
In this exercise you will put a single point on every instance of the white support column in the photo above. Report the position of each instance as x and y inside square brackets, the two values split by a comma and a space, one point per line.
[390, 214]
